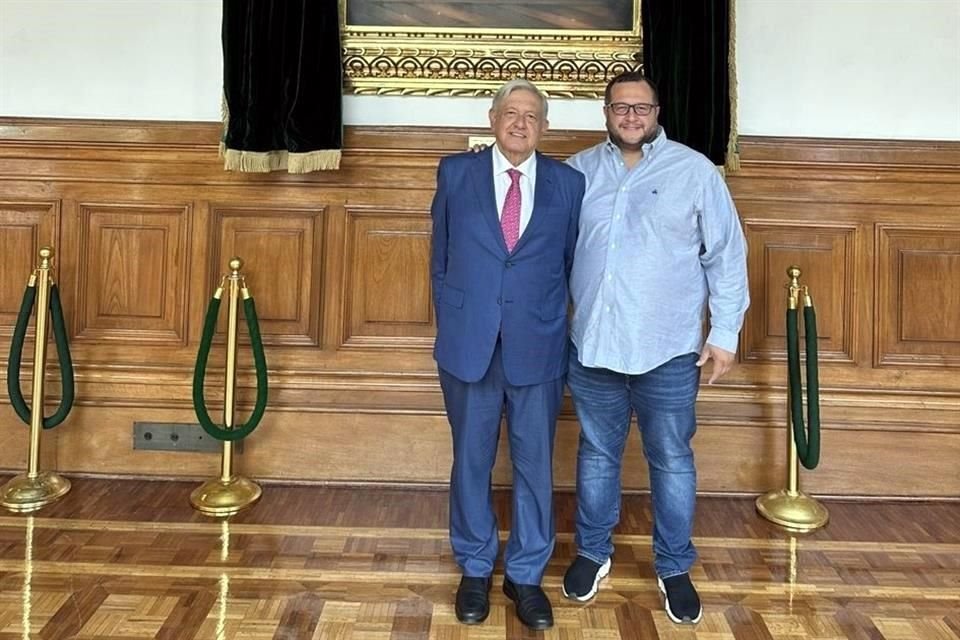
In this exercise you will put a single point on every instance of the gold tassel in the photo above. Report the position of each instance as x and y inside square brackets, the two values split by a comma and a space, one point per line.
[733, 146]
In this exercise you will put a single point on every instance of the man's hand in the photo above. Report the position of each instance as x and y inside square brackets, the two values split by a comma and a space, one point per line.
[722, 361]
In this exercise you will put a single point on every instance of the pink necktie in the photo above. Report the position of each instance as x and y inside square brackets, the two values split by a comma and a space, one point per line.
[510, 217]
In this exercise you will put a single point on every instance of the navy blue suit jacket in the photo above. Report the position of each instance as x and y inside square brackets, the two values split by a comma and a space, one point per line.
[480, 290]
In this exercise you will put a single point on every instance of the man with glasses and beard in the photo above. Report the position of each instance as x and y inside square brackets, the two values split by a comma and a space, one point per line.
[660, 243]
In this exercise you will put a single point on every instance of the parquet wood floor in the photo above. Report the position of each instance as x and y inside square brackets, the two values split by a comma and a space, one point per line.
[125, 560]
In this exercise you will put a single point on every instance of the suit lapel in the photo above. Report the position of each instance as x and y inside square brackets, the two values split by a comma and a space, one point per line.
[543, 193]
[486, 194]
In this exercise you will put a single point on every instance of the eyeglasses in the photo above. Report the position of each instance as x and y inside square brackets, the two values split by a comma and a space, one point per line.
[622, 108]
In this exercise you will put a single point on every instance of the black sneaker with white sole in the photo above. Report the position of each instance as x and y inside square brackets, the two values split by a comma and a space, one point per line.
[582, 579]
[680, 599]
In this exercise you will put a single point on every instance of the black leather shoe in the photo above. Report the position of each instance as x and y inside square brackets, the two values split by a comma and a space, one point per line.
[533, 607]
[473, 600]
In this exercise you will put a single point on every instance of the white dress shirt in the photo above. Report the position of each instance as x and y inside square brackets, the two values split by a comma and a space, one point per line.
[501, 182]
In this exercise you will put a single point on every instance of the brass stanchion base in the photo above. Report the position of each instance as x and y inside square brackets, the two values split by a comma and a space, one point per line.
[24, 494]
[222, 498]
[792, 511]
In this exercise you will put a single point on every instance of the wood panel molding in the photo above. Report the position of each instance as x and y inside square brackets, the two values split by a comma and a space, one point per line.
[387, 279]
[827, 253]
[132, 259]
[932, 158]
[24, 228]
[282, 249]
[918, 297]
[144, 220]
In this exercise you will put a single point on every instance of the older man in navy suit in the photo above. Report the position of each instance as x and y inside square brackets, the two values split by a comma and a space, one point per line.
[504, 230]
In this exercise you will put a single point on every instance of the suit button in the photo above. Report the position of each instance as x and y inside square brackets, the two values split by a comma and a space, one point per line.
[509, 264]
[499, 301]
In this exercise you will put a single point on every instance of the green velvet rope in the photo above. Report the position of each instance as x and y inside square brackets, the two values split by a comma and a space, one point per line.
[199, 373]
[808, 446]
[16, 353]
[63, 354]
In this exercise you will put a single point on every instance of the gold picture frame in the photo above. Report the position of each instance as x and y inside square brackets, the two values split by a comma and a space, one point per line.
[569, 48]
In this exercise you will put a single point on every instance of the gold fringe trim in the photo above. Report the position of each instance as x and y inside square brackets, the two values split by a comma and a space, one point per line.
[733, 146]
[320, 160]
[266, 161]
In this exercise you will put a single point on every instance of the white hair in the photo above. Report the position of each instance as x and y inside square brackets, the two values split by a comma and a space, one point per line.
[514, 85]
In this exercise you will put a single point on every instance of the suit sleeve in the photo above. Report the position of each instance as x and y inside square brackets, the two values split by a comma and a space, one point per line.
[438, 244]
[573, 227]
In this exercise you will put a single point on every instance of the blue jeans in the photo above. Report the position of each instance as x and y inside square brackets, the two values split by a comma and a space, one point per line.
[663, 400]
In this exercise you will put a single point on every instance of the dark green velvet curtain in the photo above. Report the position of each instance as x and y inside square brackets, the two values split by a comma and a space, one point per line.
[282, 85]
[686, 46]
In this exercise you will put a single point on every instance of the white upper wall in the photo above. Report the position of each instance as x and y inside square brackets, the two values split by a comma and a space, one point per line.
[819, 68]
[849, 68]
[139, 59]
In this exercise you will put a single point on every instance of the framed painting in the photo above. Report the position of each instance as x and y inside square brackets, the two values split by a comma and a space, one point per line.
[471, 47]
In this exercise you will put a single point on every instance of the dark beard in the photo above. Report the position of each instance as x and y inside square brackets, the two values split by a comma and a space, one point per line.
[623, 146]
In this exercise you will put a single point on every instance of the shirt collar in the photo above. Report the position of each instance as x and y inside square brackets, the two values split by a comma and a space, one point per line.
[500, 164]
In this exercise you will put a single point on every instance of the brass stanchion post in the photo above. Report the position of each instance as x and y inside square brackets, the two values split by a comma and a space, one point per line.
[36, 489]
[791, 508]
[230, 493]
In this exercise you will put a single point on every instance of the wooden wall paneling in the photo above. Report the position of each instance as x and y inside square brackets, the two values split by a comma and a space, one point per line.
[353, 390]
[132, 372]
[15, 444]
[857, 462]
[341, 448]
[931, 158]
[918, 298]
[359, 447]
[24, 228]
[132, 272]
[200, 276]
[881, 464]
[334, 268]
[15, 436]
[99, 440]
[282, 249]
[387, 278]
[826, 255]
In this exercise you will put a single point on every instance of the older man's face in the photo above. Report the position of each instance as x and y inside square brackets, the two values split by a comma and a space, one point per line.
[518, 123]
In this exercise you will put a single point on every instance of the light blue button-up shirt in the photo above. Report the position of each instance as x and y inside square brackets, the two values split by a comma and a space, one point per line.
[658, 243]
